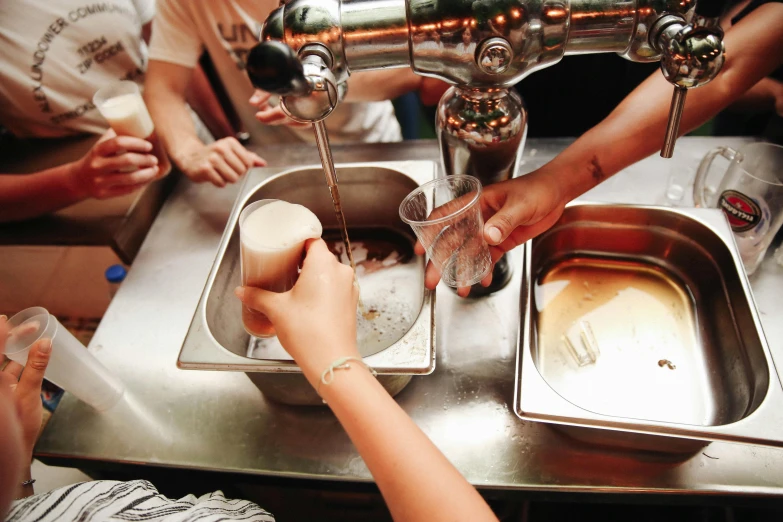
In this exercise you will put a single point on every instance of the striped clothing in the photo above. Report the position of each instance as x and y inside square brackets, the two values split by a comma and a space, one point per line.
[134, 501]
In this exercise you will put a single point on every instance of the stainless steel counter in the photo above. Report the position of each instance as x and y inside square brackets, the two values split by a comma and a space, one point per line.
[220, 421]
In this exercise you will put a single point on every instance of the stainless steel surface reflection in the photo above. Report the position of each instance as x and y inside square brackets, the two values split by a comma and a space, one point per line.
[397, 344]
[481, 133]
[668, 306]
[220, 421]
[371, 196]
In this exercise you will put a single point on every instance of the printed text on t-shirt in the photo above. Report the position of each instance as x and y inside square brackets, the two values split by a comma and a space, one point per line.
[47, 40]
[239, 34]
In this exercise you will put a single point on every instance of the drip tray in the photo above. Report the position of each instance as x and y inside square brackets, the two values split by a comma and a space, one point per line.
[390, 282]
[640, 331]
[396, 328]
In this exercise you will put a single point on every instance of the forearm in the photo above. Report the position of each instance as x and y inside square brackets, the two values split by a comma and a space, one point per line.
[203, 100]
[760, 97]
[417, 481]
[173, 122]
[23, 196]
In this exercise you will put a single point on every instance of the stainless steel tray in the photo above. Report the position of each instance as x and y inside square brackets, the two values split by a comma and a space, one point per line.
[683, 359]
[371, 194]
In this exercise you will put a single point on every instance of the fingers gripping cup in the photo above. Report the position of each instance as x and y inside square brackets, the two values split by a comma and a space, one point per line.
[272, 237]
[71, 366]
[123, 107]
[445, 215]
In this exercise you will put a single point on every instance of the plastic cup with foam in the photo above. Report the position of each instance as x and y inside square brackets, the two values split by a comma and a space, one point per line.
[272, 238]
[71, 366]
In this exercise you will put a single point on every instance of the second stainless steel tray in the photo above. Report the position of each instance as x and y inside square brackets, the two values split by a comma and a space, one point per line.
[682, 357]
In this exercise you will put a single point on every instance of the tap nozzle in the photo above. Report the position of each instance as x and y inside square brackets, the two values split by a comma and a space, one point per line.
[692, 55]
[306, 84]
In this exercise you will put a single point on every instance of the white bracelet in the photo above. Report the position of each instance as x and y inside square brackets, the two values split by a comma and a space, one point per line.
[327, 376]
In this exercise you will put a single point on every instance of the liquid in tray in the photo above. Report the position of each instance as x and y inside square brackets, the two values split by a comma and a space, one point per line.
[391, 280]
[639, 315]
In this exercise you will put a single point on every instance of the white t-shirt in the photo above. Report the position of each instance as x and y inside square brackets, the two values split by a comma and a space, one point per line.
[228, 29]
[57, 53]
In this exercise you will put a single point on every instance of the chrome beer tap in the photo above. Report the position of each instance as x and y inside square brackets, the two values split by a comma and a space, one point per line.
[692, 55]
[483, 48]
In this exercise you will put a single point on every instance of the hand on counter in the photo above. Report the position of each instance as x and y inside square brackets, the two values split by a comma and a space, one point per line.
[316, 320]
[219, 163]
[269, 114]
[114, 166]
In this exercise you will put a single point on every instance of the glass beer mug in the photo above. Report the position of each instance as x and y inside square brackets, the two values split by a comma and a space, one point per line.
[750, 194]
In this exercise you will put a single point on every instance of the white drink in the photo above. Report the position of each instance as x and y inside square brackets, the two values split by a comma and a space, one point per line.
[123, 107]
[272, 237]
[128, 115]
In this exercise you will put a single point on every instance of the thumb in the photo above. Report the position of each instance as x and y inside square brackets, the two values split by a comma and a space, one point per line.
[258, 161]
[259, 299]
[34, 370]
[504, 221]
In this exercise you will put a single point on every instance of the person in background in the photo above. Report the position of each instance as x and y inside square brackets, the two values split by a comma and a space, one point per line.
[521, 208]
[227, 30]
[55, 56]
[316, 323]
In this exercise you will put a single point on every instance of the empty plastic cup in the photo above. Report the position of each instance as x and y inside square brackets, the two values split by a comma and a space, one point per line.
[71, 366]
[445, 215]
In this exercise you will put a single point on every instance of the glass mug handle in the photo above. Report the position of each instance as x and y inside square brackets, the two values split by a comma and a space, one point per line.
[700, 187]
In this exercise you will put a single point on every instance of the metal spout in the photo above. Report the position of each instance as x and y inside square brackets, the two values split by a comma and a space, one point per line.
[673, 126]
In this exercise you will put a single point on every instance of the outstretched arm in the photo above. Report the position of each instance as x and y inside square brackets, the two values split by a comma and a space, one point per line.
[635, 129]
[522, 208]
[316, 323]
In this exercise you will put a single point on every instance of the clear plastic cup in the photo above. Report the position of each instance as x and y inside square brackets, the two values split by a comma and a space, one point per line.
[446, 217]
[71, 366]
[121, 104]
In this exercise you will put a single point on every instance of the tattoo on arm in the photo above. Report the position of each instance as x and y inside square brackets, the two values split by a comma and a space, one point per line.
[596, 171]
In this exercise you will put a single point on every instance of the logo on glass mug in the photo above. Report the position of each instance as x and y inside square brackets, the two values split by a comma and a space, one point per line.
[742, 212]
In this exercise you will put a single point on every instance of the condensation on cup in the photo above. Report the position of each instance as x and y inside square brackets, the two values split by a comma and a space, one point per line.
[272, 239]
[123, 107]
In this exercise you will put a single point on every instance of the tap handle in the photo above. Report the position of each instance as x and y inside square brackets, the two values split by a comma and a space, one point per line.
[692, 55]
[673, 126]
[274, 67]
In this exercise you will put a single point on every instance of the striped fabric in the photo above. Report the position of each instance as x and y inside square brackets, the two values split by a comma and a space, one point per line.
[137, 500]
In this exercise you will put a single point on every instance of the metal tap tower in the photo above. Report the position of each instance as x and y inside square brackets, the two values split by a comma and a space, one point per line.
[481, 47]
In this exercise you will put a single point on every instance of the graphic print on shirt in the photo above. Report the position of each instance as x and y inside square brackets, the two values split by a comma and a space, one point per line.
[239, 38]
[101, 51]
